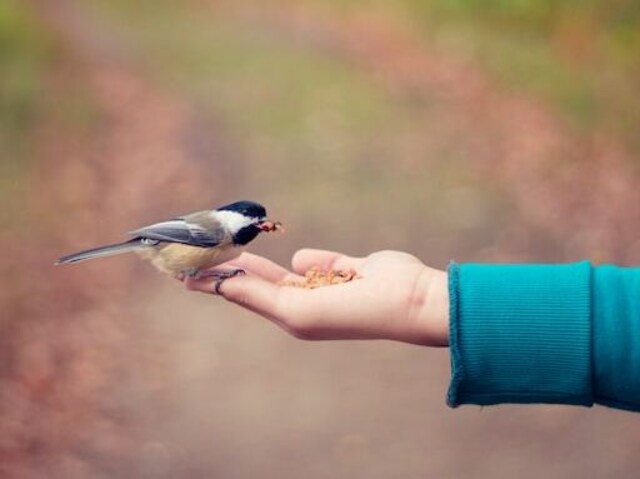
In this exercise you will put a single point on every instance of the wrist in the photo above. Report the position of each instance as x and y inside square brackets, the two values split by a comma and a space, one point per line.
[431, 304]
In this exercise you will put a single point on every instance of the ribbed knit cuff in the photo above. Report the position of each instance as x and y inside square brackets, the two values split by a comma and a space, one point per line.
[520, 334]
[616, 337]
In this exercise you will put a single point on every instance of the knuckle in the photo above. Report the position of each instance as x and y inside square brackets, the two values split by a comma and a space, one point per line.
[240, 298]
[243, 300]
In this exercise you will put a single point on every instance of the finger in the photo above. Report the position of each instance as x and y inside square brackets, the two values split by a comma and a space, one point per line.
[252, 293]
[244, 290]
[308, 314]
[305, 259]
[263, 268]
[259, 296]
[322, 313]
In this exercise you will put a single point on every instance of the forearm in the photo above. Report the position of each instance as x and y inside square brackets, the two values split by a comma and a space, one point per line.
[555, 334]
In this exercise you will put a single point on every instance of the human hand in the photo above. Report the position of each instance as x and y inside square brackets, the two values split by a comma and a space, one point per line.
[397, 297]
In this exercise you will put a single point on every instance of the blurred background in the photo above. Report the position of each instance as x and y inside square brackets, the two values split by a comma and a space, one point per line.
[472, 130]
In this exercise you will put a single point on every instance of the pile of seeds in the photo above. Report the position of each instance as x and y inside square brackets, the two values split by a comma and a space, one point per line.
[316, 278]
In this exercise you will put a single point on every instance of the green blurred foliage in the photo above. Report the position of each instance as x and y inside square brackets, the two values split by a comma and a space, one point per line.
[24, 50]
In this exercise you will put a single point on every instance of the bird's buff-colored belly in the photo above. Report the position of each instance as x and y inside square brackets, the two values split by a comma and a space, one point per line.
[179, 259]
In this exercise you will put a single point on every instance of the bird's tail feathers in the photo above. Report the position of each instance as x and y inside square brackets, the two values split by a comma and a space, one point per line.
[107, 250]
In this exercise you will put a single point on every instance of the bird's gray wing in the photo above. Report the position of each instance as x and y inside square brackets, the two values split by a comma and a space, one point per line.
[197, 229]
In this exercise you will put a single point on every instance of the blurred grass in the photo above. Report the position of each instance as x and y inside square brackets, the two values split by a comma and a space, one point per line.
[39, 90]
[25, 52]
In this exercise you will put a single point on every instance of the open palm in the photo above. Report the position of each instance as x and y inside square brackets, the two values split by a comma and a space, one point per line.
[397, 297]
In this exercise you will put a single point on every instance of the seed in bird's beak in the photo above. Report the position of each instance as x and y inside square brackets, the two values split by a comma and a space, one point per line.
[270, 226]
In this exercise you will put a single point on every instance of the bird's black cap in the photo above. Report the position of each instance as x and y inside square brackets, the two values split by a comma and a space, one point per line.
[247, 208]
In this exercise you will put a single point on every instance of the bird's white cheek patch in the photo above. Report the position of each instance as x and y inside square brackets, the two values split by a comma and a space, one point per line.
[231, 220]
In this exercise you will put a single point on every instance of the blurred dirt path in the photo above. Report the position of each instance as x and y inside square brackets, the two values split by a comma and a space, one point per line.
[71, 338]
[583, 188]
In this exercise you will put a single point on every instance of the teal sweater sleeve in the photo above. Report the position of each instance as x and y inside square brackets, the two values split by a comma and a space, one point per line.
[566, 334]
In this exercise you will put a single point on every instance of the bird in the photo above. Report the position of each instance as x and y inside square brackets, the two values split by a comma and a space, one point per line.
[188, 246]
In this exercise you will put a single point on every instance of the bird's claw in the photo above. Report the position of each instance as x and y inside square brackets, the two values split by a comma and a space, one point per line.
[222, 276]
[219, 276]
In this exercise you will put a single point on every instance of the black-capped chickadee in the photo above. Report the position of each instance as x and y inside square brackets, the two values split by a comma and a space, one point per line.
[189, 245]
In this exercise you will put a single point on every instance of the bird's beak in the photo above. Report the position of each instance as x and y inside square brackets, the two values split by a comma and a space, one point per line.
[270, 226]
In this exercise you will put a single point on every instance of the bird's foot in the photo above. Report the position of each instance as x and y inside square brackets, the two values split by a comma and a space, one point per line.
[193, 273]
[220, 276]
[217, 274]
